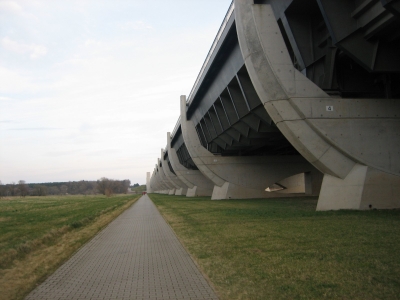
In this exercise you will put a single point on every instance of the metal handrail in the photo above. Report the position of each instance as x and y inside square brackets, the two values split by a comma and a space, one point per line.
[178, 123]
[211, 51]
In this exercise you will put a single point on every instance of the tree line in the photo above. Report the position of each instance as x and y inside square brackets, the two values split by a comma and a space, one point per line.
[103, 186]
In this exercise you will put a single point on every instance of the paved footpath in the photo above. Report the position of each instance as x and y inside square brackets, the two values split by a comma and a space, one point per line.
[137, 256]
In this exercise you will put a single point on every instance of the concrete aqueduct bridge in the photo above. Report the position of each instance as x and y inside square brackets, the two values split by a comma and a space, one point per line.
[296, 97]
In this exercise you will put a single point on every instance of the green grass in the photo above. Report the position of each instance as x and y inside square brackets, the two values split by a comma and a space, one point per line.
[26, 223]
[283, 249]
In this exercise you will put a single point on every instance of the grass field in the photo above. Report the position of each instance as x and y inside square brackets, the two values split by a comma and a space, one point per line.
[37, 234]
[283, 249]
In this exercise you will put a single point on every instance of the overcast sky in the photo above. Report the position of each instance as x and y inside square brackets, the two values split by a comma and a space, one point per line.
[89, 89]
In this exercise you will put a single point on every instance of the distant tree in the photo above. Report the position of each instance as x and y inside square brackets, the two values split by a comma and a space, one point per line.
[12, 190]
[108, 192]
[109, 187]
[102, 185]
[40, 190]
[63, 189]
[23, 188]
[53, 190]
[82, 187]
[2, 190]
[126, 184]
[136, 184]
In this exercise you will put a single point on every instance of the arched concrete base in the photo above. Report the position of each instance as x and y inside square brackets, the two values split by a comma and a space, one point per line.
[364, 188]
[197, 184]
[181, 191]
[231, 191]
[179, 187]
[198, 192]
[244, 177]
[171, 192]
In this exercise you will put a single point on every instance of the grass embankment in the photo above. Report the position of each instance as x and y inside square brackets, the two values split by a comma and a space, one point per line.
[283, 249]
[37, 234]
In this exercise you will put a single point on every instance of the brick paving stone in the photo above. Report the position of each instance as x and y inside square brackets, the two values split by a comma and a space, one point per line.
[137, 256]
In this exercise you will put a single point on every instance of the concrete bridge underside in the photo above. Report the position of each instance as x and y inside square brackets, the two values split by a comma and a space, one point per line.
[296, 97]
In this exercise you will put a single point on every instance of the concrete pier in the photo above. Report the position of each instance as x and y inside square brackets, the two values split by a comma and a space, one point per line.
[197, 184]
[180, 187]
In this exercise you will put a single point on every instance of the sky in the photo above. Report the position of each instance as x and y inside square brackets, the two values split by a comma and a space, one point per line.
[89, 89]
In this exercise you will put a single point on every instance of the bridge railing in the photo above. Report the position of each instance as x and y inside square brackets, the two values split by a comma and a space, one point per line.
[178, 123]
[211, 51]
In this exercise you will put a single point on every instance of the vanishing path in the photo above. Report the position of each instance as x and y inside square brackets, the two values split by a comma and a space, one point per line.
[137, 256]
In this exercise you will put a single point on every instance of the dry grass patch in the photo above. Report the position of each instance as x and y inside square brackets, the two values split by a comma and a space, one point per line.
[283, 249]
[28, 264]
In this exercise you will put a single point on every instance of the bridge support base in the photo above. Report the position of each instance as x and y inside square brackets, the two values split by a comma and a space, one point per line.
[171, 192]
[198, 192]
[363, 188]
[180, 192]
[232, 191]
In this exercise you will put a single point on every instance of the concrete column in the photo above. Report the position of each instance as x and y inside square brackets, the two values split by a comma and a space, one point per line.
[241, 177]
[148, 187]
[180, 187]
[155, 184]
[197, 184]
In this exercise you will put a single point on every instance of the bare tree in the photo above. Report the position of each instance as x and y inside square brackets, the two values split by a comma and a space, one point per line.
[40, 190]
[12, 190]
[82, 187]
[105, 186]
[54, 190]
[23, 188]
[102, 185]
[2, 190]
[63, 189]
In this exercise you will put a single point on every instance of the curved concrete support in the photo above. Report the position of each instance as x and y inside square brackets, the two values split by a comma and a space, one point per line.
[162, 188]
[180, 187]
[340, 137]
[245, 176]
[197, 184]
[279, 86]
[154, 183]
[165, 180]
